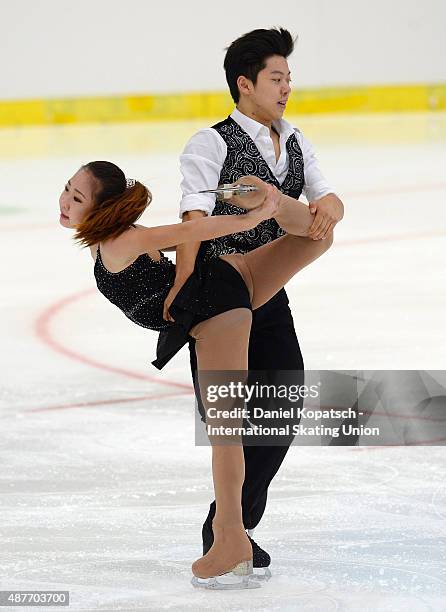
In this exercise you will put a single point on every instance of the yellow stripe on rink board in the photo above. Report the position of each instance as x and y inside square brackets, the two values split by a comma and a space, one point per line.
[369, 99]
[114, 109]
[158, 107]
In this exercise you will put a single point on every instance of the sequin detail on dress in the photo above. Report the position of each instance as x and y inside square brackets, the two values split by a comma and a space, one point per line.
[139, 290]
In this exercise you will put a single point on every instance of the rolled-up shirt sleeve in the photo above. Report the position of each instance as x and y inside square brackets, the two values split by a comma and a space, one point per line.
[316, 186]
[200, 165]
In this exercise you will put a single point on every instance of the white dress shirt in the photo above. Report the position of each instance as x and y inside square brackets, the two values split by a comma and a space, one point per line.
[204, 155]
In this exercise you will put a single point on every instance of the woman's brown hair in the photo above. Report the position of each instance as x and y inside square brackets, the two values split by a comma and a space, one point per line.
[115, 207]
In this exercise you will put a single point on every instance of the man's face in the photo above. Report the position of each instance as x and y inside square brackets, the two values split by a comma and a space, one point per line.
[272, 89]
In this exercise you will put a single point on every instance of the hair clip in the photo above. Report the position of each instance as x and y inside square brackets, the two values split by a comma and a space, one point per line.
[130, 182]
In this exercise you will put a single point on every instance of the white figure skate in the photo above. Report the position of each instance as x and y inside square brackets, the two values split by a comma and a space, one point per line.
[229, 580]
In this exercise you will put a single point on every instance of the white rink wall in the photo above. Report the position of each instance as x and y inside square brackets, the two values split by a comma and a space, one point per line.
[57, 48]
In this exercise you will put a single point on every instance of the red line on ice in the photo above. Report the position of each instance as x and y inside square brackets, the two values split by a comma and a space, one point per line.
[42, 328]
[122, 400]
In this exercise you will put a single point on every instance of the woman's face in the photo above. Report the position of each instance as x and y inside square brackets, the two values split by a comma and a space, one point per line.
[77, 198]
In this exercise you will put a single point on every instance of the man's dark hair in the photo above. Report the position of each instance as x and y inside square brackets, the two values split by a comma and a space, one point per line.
[247, 55]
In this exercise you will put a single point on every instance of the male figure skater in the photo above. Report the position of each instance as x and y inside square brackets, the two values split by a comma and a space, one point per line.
[254, 140]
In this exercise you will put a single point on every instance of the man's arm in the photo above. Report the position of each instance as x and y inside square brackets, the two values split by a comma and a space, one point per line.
[200, 165]
[185, 263]
[328, 211]
[323, 202]
[187, 252]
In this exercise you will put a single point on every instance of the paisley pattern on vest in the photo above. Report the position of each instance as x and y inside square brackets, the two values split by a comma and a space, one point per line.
[243, 158]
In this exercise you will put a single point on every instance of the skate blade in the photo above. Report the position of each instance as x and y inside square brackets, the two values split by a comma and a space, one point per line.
[259, 576]
[225, 583]
[230, 580]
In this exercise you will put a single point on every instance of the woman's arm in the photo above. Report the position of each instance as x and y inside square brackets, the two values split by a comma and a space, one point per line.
[133, 243]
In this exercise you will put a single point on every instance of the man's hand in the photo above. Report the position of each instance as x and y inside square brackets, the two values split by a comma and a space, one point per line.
[185, 264]
[329, 210]
[170, 298]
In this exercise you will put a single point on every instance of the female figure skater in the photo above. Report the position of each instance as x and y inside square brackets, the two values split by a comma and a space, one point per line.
[214, 307]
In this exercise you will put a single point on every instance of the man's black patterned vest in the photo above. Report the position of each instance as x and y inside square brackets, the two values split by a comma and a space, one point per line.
[243, 158]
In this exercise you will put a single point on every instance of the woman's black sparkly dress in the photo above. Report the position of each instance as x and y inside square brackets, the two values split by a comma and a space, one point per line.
[140, 290]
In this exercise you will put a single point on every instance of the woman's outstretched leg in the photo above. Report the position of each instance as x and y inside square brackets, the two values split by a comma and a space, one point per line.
[293, 216]
[222, 352]
[267, 269]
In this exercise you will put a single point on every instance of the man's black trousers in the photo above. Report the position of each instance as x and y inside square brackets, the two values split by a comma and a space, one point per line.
[273, 347]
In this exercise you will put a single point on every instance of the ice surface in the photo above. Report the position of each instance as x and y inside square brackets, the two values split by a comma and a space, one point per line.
[102, 491]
